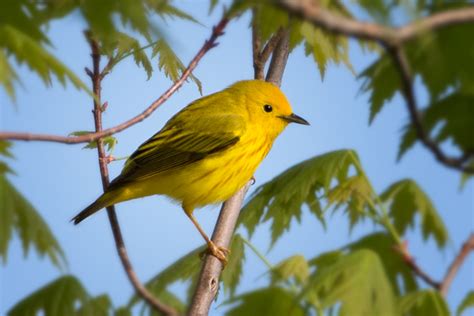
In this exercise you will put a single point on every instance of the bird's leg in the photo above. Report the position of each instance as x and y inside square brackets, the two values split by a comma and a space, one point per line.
[217, 251]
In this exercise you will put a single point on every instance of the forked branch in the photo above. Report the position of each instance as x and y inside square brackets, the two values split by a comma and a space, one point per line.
[443, 285]
[392, 39]
[453, 269]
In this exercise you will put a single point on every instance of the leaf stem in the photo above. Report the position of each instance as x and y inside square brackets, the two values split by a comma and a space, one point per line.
[258, 253]
[383, 217]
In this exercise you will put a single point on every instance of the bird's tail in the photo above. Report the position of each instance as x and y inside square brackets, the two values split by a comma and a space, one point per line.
[103, 201]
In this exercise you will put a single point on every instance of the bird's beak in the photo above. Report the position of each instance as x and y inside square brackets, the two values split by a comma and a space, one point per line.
[293, 118]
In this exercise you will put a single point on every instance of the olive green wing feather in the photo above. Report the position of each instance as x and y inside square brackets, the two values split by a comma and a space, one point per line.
[175, 147]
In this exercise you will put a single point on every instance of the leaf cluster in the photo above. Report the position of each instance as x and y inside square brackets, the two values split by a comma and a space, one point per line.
[66, 296]
[323, 47]
[440, 63]
[118, 26]
[19, 217]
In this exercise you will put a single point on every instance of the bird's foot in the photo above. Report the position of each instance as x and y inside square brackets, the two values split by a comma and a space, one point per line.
[219, 252]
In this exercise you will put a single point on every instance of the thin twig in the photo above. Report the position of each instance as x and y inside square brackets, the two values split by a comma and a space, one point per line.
[208, 45]
[104, 172]
[402, 249]
[208, 282]
[392, 39]
[402, 65]
[453, 269]
[442, 286]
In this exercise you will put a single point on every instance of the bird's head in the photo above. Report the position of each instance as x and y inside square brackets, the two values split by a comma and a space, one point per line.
[266, 105]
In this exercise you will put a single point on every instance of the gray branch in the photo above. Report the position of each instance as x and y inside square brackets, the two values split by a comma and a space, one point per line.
[208, 283]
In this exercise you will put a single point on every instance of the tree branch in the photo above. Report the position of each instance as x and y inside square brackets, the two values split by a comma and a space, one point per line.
[96, 77]
[401, 63]
[208, 45]
[451, 272]
[392, 39]
[313, 12]
[260, 56]
[279, 58]
[258, 68]
[402, 249]
[208, 283]
[453, 269]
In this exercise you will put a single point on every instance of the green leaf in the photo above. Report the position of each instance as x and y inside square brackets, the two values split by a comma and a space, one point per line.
[407, 200]
[281, 199]
[356, 193]
[382, 80]
[400, 275]
[96, 306]
[165, 9]
[326, 259]
[4, 168]
[446, 50]
[467, 302]
[57, 298]
[425, 302]
[8, 76]
[271, 301]
[26, 49]
[295, 267]
[212, 5]
[357, 281]
[184, 269]
[449, 119]
[108, 141]
[125, 46]
[19, 216]
[170, 64]
[122, 311]
[325, 47]
[233, 271]
[269, 20]
[5, 148]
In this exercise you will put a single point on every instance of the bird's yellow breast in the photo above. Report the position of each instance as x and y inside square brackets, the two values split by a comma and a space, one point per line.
[213, 179]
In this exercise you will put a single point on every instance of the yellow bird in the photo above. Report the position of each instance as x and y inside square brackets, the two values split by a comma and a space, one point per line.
[206, 152]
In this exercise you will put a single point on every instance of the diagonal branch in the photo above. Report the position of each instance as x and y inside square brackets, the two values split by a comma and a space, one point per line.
[392, 39]
[402, 250]
[442, 286]
[217, 31]
[96, 77]
[453, 269]
[208, 282]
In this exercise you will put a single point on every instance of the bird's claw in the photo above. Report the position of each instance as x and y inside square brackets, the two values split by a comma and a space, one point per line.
[219, 252]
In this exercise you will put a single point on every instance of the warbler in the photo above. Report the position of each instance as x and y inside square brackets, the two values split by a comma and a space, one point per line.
[206, 152]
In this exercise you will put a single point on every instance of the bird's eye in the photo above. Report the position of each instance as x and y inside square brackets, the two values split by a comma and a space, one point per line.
[267, 108]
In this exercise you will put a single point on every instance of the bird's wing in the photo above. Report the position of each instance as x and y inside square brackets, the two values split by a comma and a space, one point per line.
[178, 145]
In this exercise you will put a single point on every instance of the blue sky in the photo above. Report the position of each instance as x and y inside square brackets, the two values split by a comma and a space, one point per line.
[60, 180]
